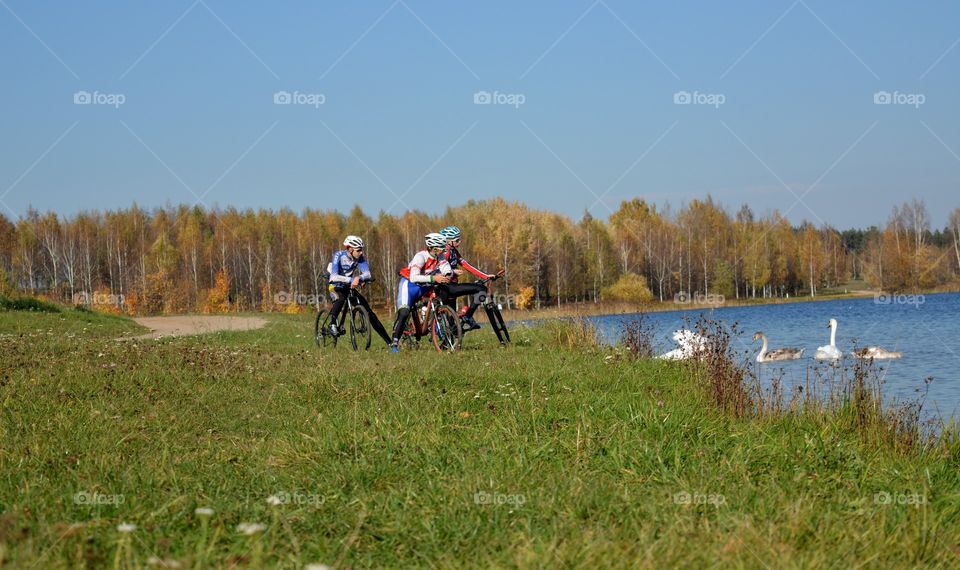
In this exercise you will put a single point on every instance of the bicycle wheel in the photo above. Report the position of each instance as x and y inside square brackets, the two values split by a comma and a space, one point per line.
[321, 330]
[409, 340]
[360, 329]
[445, 329]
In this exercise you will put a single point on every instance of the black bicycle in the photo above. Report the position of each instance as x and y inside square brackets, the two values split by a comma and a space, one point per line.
[359, 325]
[492, 308]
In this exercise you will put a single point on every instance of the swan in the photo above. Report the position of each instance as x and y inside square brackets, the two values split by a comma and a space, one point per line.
[690, 343]
[776, 354]
[830, 352]
[876, 353]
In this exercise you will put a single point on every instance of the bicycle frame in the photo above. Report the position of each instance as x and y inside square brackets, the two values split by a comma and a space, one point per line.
[440, 323]
[420, 326]
[350, 304]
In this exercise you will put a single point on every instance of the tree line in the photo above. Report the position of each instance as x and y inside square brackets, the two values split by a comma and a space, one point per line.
[186, 259]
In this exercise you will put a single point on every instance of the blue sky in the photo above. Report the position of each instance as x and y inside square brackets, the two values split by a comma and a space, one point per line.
[585, 115]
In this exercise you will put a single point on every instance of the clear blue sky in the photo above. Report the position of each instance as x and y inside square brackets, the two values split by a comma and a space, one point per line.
[398, 81]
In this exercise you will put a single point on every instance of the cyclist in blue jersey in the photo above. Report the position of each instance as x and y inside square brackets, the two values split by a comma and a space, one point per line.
[348, 270]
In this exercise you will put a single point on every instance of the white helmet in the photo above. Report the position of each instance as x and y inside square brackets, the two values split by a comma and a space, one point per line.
[353, 241]
[435, 240]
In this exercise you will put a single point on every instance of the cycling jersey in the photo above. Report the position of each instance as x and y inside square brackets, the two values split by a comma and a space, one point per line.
[453, 257]
[344, 267]
[423, 266]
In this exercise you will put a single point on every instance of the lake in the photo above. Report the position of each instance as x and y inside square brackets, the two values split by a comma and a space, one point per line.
[926, 328]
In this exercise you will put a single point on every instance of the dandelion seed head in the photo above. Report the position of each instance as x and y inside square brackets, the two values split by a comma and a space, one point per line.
[274, 500]
[251, 529]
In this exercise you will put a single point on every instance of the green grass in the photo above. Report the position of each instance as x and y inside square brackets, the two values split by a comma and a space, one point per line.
[388, 460]
[28, 304]
[64, 323]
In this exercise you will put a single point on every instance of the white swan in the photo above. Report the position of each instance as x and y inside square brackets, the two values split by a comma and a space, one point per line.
[776, 354]
[690, 344]
[830, 352]
[876, 353]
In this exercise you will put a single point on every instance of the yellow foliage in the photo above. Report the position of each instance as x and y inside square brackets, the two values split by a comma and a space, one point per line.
[267, 304]
[159, 292]
[525, 298]
[630, 287]
[6, 286]
[132, 301]
[105, 302]
[218, 297]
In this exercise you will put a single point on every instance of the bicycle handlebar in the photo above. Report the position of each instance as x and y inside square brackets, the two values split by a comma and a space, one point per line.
[492, 278]
[326, 275]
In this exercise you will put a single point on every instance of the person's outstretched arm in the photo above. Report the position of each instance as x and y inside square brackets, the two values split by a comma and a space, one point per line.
[479, 274]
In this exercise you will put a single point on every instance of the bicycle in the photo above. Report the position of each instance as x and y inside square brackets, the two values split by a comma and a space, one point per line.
[492, 308]
[360, 334]
[439, 321]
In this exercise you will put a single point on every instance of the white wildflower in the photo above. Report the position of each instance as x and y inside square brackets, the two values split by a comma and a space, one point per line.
[251, 529]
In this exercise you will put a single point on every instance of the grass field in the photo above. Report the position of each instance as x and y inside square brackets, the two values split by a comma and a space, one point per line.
[531, 456]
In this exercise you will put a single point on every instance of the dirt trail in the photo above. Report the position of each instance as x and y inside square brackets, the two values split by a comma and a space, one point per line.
[184, 325]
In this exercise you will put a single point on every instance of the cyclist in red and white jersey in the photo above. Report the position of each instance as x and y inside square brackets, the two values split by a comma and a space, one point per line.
[425, 269]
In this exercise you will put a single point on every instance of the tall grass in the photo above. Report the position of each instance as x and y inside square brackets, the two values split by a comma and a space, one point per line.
[573, 333]
[637, 337]
[850, 397]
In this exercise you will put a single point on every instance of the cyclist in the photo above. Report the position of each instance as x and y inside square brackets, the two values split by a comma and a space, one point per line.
[450, 292]
[426, 268]
[348, 270]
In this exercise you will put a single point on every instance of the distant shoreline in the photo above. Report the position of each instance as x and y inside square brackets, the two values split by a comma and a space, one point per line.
[603, 309]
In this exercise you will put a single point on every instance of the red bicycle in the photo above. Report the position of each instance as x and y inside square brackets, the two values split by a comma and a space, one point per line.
[429, 316]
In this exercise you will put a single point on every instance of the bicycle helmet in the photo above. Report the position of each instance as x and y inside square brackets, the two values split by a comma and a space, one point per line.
[353, 241]
[435, 240]
[451, 232]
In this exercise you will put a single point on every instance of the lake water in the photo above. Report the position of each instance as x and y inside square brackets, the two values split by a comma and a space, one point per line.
[926, 328]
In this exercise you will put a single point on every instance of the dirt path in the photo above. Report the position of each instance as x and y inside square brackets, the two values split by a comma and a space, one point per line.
[196, 324]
